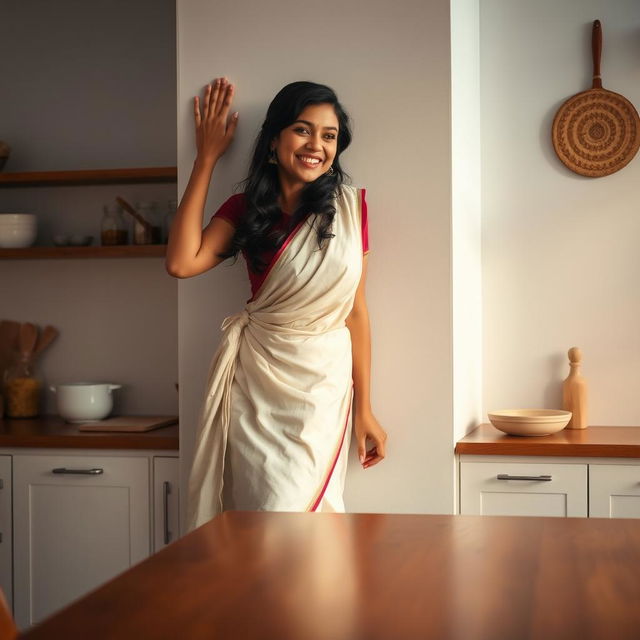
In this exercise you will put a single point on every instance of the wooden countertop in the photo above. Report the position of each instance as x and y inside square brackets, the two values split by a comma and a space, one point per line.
[328, 576]
[592, 442]
[52, 432]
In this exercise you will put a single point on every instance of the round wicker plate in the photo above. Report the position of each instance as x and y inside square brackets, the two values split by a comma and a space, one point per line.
[596, 132]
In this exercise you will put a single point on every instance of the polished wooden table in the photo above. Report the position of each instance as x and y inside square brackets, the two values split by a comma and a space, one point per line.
[373, 577]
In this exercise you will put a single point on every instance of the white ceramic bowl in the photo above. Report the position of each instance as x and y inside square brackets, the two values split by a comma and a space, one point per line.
[17, 230]
[84, 401]
[529, 422]
[17, 237]
[18, 218]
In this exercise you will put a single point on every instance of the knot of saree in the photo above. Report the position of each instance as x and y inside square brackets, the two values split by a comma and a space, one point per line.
[241, 320]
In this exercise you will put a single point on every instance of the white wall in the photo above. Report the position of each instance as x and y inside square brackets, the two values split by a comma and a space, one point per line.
[560, 251]
[465, 216]
[390, 65]
[466, 265]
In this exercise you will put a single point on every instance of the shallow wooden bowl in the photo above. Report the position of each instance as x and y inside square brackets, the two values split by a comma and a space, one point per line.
[529, 422]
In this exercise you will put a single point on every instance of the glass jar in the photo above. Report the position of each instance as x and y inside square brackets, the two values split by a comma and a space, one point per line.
[113, 228]
[22, 388]
[172, 207]
[153, 233]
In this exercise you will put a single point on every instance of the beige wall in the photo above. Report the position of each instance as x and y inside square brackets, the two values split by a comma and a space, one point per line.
[390, 65]
[88, 85]
[560, 251]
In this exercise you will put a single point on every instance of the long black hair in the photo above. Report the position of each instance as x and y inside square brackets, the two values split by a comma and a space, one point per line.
[255, 233]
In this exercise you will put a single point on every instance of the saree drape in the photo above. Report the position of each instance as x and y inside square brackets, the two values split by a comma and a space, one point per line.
[274, 425]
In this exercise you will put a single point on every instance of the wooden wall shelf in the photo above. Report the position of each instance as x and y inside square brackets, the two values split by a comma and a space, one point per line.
[124, 251]
[88, 177]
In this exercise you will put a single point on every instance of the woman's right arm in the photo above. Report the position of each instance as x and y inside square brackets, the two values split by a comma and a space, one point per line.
[190, 249]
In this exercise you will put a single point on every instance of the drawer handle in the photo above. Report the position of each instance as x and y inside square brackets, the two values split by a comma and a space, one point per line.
[84, 472]
[506, 476]
[166, 492]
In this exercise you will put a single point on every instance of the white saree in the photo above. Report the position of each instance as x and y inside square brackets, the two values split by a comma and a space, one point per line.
[274, 428]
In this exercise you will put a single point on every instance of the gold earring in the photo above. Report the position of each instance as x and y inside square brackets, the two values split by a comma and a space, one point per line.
[273, 158]
[330, 172]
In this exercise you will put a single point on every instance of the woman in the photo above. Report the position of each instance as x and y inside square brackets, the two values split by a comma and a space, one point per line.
[273, 433]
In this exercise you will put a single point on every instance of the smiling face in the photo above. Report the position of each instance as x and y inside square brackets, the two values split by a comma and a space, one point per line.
[305, 149]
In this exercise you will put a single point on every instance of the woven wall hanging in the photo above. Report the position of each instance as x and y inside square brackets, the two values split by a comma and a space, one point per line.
[596, 132]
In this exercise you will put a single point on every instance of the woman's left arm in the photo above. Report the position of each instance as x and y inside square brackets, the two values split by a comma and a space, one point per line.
[365, 424]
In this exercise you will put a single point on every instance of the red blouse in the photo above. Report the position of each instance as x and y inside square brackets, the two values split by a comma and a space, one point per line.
[232, 211]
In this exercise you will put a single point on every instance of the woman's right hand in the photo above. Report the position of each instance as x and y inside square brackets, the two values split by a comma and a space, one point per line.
[214, 128]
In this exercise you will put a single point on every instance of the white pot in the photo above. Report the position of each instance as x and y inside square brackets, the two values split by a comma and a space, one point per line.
[84, 401]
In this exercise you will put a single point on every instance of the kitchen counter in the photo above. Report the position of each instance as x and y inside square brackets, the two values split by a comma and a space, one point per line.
[336, 576]
[592, 442]
[52, 432]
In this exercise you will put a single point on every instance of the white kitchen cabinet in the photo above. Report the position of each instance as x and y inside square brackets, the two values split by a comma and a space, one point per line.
[78, 521]
[6, 533]
[166, 501]
[515, 488]
[614, 490]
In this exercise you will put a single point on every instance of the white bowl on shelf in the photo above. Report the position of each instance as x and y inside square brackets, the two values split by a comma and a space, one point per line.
[529, 422]
[18, 230]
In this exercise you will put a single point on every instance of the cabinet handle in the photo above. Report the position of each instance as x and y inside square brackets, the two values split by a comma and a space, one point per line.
[84, 472]
[506, 476]
[166, 490]
[1, 484]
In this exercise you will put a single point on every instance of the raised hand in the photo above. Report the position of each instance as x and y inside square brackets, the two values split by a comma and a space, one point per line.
[214, 128]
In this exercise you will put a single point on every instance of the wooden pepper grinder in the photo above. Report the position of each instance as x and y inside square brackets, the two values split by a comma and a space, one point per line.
[574, 392]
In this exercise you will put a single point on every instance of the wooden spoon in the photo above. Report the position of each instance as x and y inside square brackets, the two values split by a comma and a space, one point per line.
[129, 209]
[49, 334]
[27, 339]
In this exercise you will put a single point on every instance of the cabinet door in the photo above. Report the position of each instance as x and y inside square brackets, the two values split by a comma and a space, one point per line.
[78, 521]
[521, 489]
[614, 491]
[6, 555]
[166, 501]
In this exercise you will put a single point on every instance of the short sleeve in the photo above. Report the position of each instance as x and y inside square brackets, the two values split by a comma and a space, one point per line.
[365, 223]
[232, 210]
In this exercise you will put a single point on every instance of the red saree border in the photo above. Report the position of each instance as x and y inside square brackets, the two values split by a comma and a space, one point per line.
[318, 500]
[276, 257]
